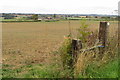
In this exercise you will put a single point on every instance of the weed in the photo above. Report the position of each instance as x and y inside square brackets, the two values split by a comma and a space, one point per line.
[83, 32]
[65, 52]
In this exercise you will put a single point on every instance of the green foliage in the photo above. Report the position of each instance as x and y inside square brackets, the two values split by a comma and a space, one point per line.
[35, 17]
[10, 73]
[65, 52]
[54, 16]
[37, 71]
[41, 72]
[109, 70]
[83, 32]
[51, 71]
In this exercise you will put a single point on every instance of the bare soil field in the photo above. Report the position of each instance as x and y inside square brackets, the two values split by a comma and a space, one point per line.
[32, 42]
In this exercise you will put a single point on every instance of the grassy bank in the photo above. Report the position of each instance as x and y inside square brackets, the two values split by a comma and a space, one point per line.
[108, 70]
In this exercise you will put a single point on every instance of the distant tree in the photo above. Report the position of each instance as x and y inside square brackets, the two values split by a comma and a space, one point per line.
[8, 16]
[35, 17]
[54, 16]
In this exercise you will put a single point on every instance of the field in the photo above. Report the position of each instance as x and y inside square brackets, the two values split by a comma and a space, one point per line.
[32, 43]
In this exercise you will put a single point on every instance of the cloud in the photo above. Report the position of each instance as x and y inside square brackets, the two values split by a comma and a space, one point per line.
[60, 6]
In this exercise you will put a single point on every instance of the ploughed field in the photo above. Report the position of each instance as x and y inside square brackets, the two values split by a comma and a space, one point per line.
[33, 42]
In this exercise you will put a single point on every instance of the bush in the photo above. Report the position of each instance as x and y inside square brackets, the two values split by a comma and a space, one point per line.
[66, 53]
[83, 32]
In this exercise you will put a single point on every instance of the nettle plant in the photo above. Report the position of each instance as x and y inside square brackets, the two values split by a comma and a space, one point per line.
[83, 32]
[65, 51]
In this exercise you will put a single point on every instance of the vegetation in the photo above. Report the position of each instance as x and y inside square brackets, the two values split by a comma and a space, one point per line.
[88, 64]
[35, 17]
[108, 70]
[65, 52]
[83, 32]
[54, 16]
[37, 52]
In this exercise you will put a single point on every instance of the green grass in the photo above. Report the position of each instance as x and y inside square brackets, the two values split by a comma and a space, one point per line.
[41, 72]
[52, 71]
[109, 70]
[36, 71]
[92, 19]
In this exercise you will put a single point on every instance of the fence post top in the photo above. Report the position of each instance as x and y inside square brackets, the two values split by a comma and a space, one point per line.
[104, 22]
[108, 23]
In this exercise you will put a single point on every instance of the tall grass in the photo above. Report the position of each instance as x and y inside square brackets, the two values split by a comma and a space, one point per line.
[90, 66]
[108, 70]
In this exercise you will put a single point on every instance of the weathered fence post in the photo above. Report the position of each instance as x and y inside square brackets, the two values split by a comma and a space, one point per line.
[76, 46]
[103, 31]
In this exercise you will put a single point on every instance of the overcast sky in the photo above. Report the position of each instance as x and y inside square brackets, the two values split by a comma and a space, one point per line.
[59, 6]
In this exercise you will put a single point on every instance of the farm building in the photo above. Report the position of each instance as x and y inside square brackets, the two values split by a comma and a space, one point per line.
[82, 16]
[40, 19]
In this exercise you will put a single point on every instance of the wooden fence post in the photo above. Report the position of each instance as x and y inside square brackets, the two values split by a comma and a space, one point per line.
[103, 31]
[76, 46]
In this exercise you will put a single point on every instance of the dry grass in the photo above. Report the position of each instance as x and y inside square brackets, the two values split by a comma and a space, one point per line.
[92, 57]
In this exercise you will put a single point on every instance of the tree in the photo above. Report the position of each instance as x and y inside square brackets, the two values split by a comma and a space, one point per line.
[8, 16]
[54, 16]
[35, 17]
[83, 32]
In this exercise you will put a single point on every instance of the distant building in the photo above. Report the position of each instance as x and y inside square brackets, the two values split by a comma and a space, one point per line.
[40, 19]
[82, 16]
[49, 18]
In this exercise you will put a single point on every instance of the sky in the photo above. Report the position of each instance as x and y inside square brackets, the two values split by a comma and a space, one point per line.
[59, 6]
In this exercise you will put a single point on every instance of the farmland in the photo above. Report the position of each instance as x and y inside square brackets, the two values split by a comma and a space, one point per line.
[33, 43]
